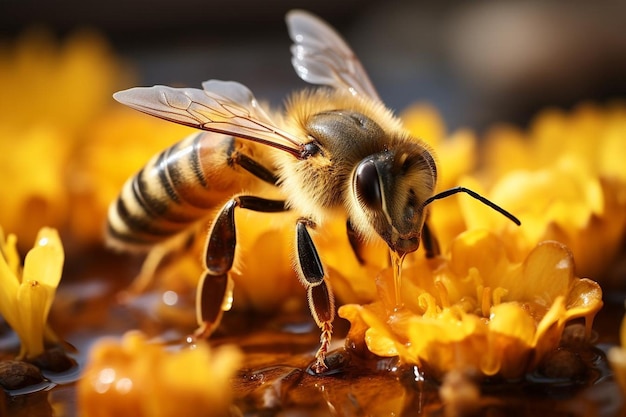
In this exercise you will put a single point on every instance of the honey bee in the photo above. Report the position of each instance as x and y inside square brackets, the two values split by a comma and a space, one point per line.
[336, 150]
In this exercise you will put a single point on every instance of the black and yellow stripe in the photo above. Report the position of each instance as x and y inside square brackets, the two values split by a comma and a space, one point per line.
[171, 192]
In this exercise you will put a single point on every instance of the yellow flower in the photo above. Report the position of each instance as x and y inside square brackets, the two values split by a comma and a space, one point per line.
[139, 378]
[477, 309]
[32, 173]
[26, 294]
[51, 95]
[64, 86]
[590, 132]
[564, 178]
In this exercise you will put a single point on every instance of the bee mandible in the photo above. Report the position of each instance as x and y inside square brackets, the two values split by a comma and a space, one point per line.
[336, 150]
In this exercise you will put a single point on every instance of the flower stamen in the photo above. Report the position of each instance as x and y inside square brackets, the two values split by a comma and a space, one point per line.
[486, 302]
[442, 291]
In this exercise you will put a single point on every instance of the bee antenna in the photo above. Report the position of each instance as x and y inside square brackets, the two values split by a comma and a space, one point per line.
[451, 191]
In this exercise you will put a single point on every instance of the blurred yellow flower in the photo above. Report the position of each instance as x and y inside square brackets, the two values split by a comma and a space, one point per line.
[120, 143]
[263, 275]
[590, 133]
[564, 178]
[456, 152]
[456, 155]
[32, 170]
[139, 378]
[477, 309]
[26, 294]
[51, 95]
[61, 86]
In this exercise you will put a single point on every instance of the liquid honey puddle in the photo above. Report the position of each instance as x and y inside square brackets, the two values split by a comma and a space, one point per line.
[276, 376]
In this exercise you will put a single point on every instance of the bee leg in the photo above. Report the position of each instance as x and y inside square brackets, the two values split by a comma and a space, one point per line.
[253, 167]
[144, 279]
[155, 258]
[212, 296]
[430, 242]
[320, 296]
[356, 243]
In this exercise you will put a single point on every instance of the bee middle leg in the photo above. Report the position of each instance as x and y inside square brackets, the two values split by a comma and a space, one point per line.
[319, 293]
[212, 296]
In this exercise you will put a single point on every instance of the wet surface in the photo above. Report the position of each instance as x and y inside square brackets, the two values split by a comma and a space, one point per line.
[276, 376]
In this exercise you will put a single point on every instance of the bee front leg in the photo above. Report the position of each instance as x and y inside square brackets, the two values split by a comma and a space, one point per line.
[356, 243]
[320, 296]
[212, 296]
[430, 242]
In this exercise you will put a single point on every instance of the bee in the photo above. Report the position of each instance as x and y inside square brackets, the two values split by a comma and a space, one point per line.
[336, 150]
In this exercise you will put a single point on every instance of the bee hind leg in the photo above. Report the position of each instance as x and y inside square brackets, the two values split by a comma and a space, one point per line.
[213, 294]
[319, 293]
[154, 259]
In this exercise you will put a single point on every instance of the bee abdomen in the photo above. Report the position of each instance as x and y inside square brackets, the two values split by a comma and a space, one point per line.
[173, 190]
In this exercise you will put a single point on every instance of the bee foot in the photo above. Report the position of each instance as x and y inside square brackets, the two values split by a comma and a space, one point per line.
[320, 366]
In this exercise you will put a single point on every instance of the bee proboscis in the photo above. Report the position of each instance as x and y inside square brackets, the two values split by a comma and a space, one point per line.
[335, 151]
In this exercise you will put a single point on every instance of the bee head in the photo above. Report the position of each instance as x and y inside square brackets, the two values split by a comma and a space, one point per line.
[390, 188]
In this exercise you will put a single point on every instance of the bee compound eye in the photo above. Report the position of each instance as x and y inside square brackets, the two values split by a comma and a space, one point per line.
[367, 185]
[311, 149]
[410, 208]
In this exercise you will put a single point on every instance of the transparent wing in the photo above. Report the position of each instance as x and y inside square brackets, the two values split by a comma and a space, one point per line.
[222, 106]
[321, 56]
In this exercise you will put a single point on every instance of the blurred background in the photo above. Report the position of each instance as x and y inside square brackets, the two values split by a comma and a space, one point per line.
[477, 62]
[66, 147]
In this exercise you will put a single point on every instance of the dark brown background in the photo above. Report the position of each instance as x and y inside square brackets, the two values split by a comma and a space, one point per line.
[478, 62]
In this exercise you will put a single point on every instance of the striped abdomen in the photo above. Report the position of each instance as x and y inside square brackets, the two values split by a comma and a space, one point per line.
[175, 189]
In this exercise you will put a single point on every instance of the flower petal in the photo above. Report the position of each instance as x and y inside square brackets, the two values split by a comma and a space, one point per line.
[32, 299]
[9, 281]
[44, 263]
[477, 309]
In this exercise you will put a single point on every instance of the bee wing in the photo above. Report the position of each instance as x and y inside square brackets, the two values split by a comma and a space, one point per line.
[321, 56]
[222, 106]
